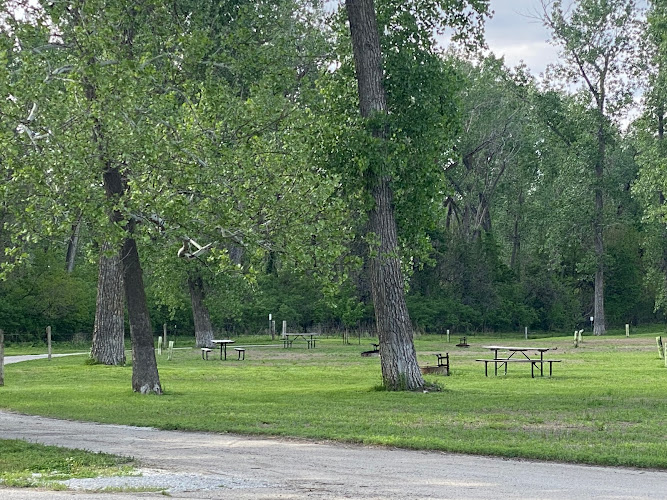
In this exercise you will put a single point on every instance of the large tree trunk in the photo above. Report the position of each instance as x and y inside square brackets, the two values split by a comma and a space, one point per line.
[202, 318]
[145, 378]
[109, 332]
[397, 352]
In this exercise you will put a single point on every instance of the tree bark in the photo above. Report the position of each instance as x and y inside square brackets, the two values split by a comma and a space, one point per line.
[109, 333]
[398, 358]
[202, 318]
[145, 378]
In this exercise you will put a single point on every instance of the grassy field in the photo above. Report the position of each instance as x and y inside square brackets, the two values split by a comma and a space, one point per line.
[605, 404]
[31, 465]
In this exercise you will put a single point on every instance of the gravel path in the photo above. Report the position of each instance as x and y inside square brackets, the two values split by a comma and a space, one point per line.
[223, 466]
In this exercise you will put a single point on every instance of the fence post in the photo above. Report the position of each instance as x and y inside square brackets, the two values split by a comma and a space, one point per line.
[627, 330]
[525, 332]
[159, 345]
[164, 332]
[170, 352]
[284, 328]
[447, 335]
[48, 341]
[576, 338]
[2, 358]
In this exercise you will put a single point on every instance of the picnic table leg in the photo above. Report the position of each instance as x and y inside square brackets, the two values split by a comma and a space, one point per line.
[486, 368]
[541, 364]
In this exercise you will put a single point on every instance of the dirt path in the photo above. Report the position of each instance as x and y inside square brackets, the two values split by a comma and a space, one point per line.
[223, 466]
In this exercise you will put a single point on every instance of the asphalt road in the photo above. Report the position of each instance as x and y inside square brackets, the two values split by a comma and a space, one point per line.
[241, 467]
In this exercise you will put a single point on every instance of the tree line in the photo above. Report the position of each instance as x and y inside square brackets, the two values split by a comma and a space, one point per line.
[205, 164]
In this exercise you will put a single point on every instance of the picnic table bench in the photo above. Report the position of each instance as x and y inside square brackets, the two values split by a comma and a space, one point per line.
[523, 357]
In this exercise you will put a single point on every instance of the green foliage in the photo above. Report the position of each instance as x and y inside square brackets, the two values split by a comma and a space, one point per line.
[43, 294]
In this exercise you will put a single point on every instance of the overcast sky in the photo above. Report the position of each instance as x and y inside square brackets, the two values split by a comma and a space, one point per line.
[515, 33]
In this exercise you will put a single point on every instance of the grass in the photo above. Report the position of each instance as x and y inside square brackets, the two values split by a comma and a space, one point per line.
[32, 465]
[605, 404]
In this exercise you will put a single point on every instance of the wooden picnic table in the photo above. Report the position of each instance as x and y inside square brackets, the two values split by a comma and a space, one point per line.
[223, 346]
[310, 338]
[522, 356]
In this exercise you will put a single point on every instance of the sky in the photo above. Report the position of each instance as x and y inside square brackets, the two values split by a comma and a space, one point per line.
[515, 33]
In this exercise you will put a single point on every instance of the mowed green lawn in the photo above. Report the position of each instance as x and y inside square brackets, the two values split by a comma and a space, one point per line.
[606, 403]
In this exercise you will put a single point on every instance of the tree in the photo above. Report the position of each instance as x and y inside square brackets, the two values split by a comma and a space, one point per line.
[408, 29]
[600, 42]
[399, 359]
[649, 138]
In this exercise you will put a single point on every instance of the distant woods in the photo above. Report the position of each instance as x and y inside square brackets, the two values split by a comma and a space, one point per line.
[492, 199]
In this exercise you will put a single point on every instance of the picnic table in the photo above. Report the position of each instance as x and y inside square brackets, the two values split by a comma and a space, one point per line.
[223, 346]
[310, 338]
[518, 355]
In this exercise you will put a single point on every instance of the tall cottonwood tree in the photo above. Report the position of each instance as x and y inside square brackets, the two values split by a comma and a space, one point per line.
[599, 40]
[381, 68]
[399, 359]
[84, 70]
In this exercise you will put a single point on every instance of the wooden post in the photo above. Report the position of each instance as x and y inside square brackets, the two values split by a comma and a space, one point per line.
[2, 358]
[284, 328]
[48, 342]
[170, 353]
[159, 345]
[658, 340]
[164, 332]
[448, 335]
[627, 330]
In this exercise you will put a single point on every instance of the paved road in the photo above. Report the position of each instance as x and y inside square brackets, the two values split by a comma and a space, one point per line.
[243, 468]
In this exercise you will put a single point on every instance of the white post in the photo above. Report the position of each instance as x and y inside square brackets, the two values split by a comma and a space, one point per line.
[2, 358]
[525, 332]
[284, 328]
[48, 341]
[581, 335]
[627, 330]
[170, 353]
[270, 324]
[576, 338]
[447, 334]
[159, 345]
